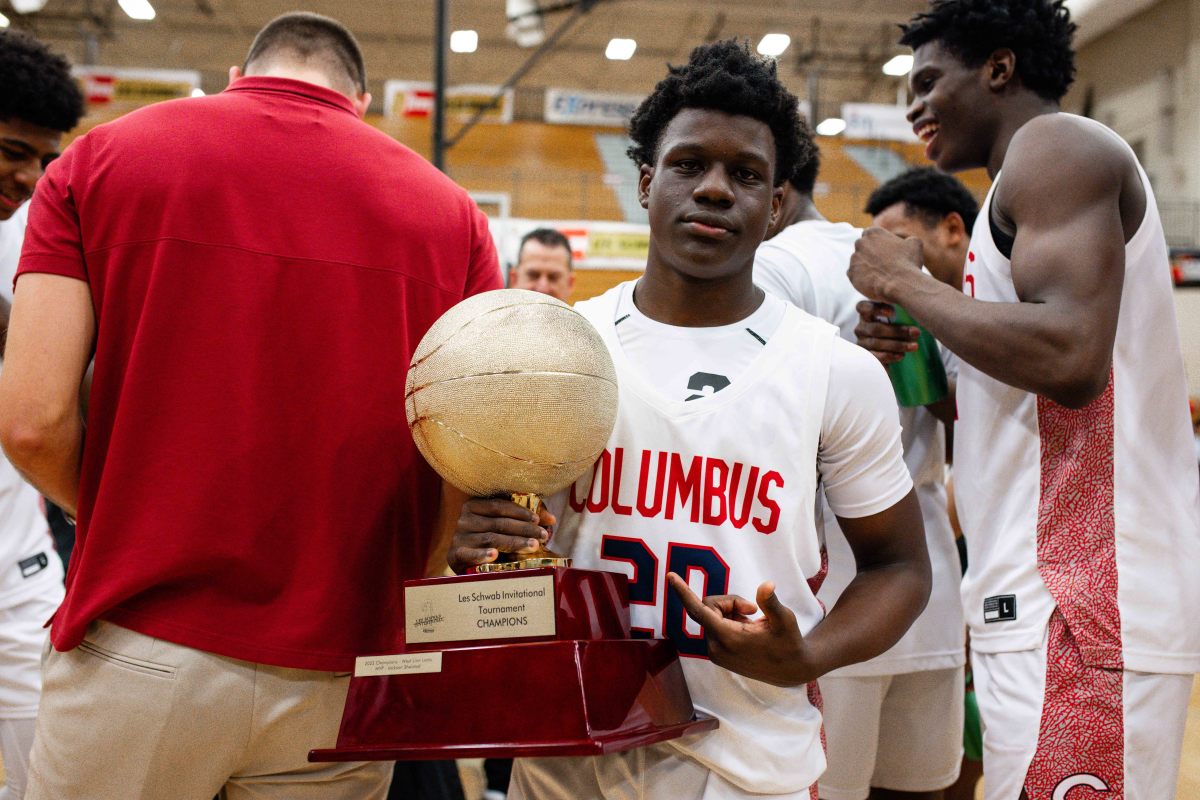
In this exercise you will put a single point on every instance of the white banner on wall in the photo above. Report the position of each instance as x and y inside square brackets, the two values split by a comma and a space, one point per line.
[877, 121]
[121, 85]
[415, 99]
[594, 245]
[572, 107]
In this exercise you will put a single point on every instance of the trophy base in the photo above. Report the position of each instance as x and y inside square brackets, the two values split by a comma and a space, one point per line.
[585, 698]
[593, 746]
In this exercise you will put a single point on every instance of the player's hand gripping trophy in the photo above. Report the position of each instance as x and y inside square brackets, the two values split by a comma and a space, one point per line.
[512, 393]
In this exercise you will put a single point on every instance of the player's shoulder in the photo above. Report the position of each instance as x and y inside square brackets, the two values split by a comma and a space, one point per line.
[855, 368]
[817, 249]
[814, 232]
[595, 308]
[1066, 145]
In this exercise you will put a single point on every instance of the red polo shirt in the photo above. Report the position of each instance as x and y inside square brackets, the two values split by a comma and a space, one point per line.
[262, 265]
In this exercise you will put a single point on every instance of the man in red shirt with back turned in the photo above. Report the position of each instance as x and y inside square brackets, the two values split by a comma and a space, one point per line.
[251, 272]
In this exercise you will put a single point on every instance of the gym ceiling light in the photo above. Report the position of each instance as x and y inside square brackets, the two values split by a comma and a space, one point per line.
[137, 9]
[620, 49]
[464, 41]
[899, 65]
[832, 126]
[773, 44]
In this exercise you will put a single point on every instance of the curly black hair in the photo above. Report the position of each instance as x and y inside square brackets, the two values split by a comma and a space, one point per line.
[36, 85]
[1039, 32]
[804, 179]
[928, 193]
[724, 76]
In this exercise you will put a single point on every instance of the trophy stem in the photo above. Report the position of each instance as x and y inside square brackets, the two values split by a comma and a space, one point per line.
[542, 558]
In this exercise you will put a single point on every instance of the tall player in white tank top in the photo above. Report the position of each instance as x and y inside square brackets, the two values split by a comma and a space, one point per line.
[733, 406]
[1076, 484]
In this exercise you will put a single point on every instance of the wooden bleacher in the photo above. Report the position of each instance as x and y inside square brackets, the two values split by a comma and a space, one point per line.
[556, 172]
[549, 171]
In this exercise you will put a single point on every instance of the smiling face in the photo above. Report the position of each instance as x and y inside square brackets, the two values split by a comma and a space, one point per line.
[25, 151]
[710, 194]
[954, 110]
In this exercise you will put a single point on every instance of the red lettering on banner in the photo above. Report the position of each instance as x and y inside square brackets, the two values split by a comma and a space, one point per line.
[770, 523]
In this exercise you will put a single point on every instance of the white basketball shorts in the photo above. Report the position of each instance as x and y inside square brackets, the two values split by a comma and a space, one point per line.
[1053, 724]
[899, 732]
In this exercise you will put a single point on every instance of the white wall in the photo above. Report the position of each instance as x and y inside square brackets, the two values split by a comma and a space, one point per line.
[1144, 76]
[1187, 312]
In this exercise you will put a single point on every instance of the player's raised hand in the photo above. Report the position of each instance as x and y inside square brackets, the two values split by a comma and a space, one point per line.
[770, 648]
[877, 333]
[488, 527]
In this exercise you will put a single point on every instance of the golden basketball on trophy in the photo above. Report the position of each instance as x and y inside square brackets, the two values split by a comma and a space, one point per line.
[511, 392]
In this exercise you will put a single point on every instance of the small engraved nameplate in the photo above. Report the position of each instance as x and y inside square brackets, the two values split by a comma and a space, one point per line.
[505, 608]
[407, 664]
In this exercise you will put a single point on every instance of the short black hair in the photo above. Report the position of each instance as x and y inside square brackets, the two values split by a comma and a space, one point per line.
[312, 37]
[928, 193]
[548, 237]
[36, 85]
[804, 179]
[724, 76]
[1039, 32]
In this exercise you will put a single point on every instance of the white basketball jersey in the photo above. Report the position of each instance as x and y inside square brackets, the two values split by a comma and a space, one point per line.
[1096, 510]
[805, 264]
[27, 557]
[721, 489]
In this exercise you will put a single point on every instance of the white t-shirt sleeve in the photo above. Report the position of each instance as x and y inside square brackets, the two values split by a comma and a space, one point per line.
[780, 273]
[949, 361]
[12, 233]
[861, 458]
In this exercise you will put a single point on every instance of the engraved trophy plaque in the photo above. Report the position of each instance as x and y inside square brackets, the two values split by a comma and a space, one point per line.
[513, 393]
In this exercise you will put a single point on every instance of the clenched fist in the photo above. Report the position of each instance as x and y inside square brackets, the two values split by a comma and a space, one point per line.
[880, 260]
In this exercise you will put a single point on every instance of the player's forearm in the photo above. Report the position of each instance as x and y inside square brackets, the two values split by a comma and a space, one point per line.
[1037, 347]
[872, 614]
[48, 456]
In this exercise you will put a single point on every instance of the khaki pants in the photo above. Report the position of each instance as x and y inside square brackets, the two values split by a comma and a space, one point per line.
[128, 717]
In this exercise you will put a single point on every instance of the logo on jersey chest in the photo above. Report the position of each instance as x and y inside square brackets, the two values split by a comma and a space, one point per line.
[668, 485]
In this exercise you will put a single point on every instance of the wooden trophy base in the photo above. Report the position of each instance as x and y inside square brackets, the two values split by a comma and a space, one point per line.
[585, 688]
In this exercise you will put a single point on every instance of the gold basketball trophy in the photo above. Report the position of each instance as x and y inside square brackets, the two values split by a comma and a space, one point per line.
[513, 393]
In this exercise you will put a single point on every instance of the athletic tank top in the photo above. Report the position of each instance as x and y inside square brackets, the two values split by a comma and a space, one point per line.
[723, 490]
[1095, 510]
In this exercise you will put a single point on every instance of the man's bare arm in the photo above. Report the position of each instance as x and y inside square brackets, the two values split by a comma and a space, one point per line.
[1068, 265]
[50, 340]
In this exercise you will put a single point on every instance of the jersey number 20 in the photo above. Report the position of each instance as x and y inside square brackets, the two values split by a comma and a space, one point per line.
[644, 584]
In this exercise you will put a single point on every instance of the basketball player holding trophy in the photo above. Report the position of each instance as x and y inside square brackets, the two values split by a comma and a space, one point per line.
[734, 409]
